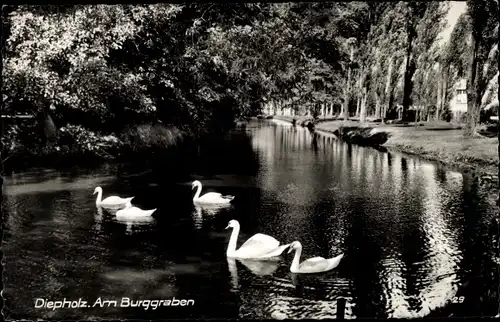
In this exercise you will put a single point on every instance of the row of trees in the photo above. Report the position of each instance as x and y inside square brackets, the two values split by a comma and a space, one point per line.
[398, 57]
[194, 65]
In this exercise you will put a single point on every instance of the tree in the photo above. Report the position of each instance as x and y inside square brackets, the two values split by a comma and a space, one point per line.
[483, 24]
[387, 43]
[423, 20]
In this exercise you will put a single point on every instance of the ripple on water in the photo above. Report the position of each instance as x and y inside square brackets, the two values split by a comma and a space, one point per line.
[415, 235]
[284, 295]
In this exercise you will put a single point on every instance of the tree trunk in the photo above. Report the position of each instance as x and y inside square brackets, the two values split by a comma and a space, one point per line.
[377, 105]
[358, 105]
[45, 120]
[359, 86]
[439, 89]
[347, 91]
[444, 90]
[388, 91]
[391, 101]
[472, 109]
[362, 116]
[409, 68]
[408, 84]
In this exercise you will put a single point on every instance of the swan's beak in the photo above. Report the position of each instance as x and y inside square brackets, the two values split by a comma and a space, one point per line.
[290, 249]
[227, 227]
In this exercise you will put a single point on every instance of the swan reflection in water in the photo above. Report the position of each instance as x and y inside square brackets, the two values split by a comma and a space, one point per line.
[257, 267]
[129, 222]
[316, 282]
[209, 210]
[138, 221]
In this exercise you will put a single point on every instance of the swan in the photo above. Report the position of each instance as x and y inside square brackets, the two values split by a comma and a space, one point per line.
[311, 265]
[134, 212]
[209, 197]
[259, 246]
[113, 202]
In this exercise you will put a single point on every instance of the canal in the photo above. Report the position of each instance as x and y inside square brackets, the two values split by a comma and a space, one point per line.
[417, 237]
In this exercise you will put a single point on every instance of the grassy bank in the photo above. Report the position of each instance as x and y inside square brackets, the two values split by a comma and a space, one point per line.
[77, 146]
[436, 141]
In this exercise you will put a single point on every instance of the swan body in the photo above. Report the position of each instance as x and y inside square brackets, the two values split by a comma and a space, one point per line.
[259, 246]
[311, 265]
[112, 202]
[210, 197]
[134, 212]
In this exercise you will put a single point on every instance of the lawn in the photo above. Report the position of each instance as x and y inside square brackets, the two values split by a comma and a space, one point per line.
[440, 141]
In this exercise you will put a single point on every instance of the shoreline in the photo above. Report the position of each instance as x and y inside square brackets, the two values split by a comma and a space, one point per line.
[157, 144]
[438, 142]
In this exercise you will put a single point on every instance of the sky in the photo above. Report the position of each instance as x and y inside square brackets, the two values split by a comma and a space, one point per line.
[456, 9]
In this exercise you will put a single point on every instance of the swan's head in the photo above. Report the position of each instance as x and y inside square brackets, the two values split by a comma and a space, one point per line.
[97, 190]
[293, 246]
[195, 184]
[233, 224]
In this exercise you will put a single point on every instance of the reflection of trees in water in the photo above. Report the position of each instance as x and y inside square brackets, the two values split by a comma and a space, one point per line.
[403, 221]
[365, 252]
[46, 256]
[314, 142]
[12, 219]
[477, 267]
[408, 276]
[429, 281]
[232, 154]
[441, 173]
[411, 243]
[439, 283]
[313, 297]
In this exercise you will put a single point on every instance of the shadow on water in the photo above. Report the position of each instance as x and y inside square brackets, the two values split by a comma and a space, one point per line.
[415, 235]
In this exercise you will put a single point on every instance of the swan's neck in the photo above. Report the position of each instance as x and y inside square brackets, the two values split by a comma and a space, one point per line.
[99, 197]
[198, 191]
[296, 259]
[231, 247]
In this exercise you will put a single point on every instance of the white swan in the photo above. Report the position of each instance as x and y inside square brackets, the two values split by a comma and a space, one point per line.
[209, 197]
[259, 246]
[134, 212]
[112, 202]
[311, 265]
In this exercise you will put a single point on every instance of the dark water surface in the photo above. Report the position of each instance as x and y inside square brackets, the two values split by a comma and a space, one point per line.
[415, 235]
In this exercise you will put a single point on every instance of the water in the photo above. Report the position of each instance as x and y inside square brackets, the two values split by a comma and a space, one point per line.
[416, 236]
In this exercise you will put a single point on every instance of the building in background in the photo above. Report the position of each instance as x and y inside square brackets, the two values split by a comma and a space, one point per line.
[458, 102]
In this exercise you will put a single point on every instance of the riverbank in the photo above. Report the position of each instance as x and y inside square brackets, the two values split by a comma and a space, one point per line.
[436, 141]
[23, 148]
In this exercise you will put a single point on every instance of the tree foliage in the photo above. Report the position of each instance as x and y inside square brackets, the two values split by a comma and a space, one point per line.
[199, 66]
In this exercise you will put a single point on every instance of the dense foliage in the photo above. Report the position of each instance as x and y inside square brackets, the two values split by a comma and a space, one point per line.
[198, 67]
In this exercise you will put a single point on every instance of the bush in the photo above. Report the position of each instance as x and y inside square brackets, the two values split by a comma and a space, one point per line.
[151, 137]
[77, 139]
[24, 136]
[23, 145]
[72, 140]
